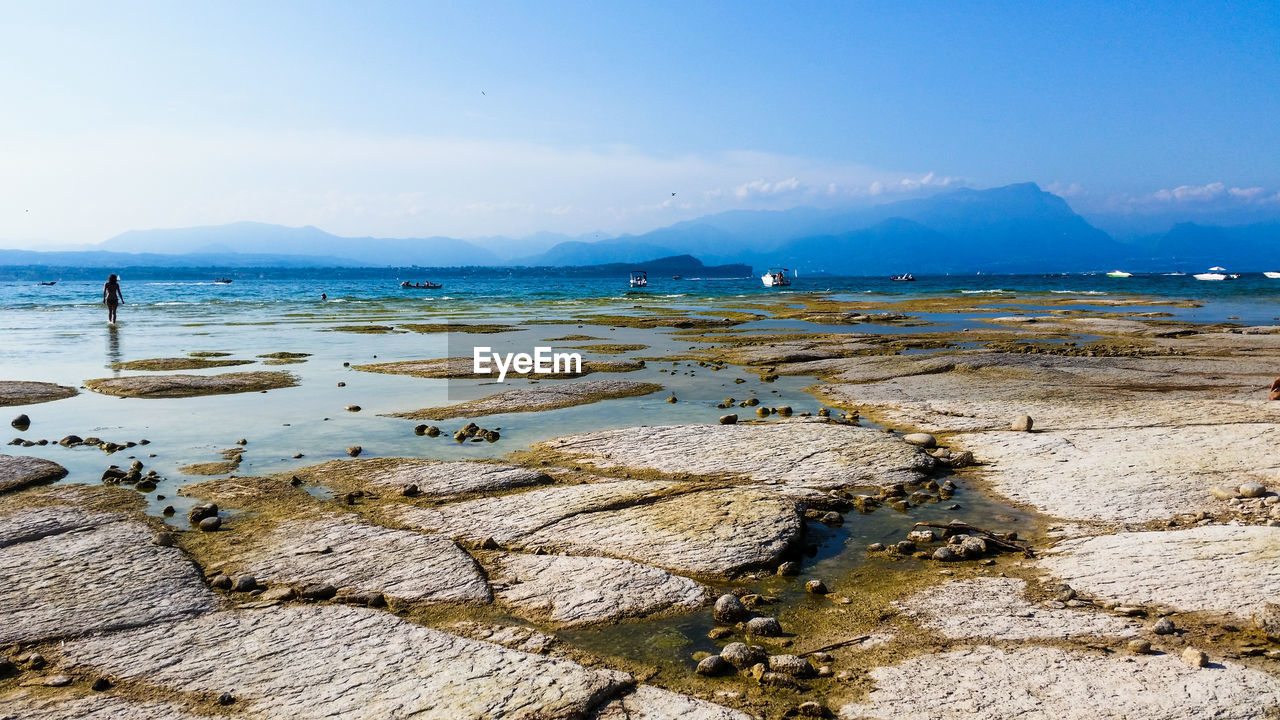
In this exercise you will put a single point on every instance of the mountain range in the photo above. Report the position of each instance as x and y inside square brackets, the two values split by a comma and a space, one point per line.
[1015, 228]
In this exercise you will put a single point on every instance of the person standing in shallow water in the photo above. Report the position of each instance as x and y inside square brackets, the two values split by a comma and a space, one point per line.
[112, 296]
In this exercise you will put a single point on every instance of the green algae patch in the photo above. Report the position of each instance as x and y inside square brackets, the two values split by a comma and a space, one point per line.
[470, 328]
[609, 348]
[187, 363]
[181, 386]
[533, 399]
[285, 356]
[364, 329]
[208, 354]
[221, 467]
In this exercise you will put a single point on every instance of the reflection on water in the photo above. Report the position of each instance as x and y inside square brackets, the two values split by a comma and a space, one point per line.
[113, 346]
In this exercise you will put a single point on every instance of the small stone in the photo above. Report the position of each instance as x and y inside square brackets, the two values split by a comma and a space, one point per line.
[1252, 490]
[672, 399]
[945, 554]
[729, 609]
[489, 544]
[1139, 647]
[226, 698]
[410, 490]
[924, 440]
[353, 408]
[210, 524]
[100, 684]
[1194, 657]
[419, 429]
[318, 591]
[789, 568]
[433, 431]
[824, 671]
[832, 518]
[245, 583]
[811, 709]
[906, 547]
[719, 633]
[742, 656]
[713, 665]
[730, 419]
[1022, 423]
[200, 512]
[33, 660]
[1164, 626]
[815, 587]
[341, 384]
[242, 441]
[221, 582]
[875, 547]
[920, 536]
[962, 459]
[163, 539]
[790, 664]
[764, 626]
[22, 422]
[777, 679]
[277, 594]
[354, 450]
[57, 681]
[783, 410]
[1269, 621]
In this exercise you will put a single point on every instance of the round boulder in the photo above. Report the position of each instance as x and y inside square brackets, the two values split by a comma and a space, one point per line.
[741, 655]
[924, 440]
[764, 626]
[729, 609]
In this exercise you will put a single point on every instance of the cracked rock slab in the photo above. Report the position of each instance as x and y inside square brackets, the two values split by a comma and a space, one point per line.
[350, 554]
[25, 704]
[66, 576]
[326, 661]
[436, 479]
[181, 386]
[651, 703]
[1126, 474]
[26, 392]
[19, 471]
[572, 590]
[996, 609]
[812, 453]
[539, 397]
[1226, 569]
[1045, 683]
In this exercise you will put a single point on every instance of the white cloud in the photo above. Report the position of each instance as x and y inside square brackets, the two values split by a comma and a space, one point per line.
[764, 187]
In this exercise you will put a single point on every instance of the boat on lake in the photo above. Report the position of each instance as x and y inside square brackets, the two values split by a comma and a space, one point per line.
[639, 279]
[427, 285]
[222, 281]
[1215, 273]
[1272, 275]
[1119, 274]
[907, 277]
[776, 277]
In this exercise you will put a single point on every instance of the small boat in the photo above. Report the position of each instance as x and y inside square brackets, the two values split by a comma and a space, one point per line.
[1175, 273]
[222, 281]
[776, 277]
[639, 279]
[677, 277]
[1215, 273]
[47, 283]
[904, 278]
[1119, 274]
[428, 285]
[1272, 275]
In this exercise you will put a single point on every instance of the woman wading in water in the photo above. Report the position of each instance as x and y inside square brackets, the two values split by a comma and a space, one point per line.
[112, 296]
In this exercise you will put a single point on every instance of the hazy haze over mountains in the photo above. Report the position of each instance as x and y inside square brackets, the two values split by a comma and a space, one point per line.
[1015, 228]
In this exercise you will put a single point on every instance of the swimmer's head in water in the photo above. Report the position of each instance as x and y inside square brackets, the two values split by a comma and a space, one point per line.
[112, 277]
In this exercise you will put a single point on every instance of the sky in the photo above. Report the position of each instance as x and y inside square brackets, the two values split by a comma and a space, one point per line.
[476, 119]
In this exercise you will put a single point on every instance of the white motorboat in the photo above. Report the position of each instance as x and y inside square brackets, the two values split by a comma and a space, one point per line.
[1215, 273]
[1272, 275]
[1119, 274]
[639, 279]
[776, 277]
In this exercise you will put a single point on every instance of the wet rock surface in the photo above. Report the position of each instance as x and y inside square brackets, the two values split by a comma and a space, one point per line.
[433, 479]
[1046, 682]
[350, 554]
[69, 572]
[26, 704]
[573, 590]
[20, 471]
[807, 452]
[1230, 570]
[334, 661]
[996, 609]
[650, 703]
[25, 392]
[540, 397]
[181, 386]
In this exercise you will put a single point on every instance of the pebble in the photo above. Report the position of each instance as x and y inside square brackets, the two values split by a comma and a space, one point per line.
[226, 698]
[729, 419]
[245, 583]
[34, 660]
[713, 665]
[719, 633]
[1194, 657]
[1253, 490]
[875, 547]
[1164, 626]
[210, 524]
[672, 399]
[811, 709]
[22, 422]
[832, 518]
[920, 536]
[221, 582]
[816, 587]
[764, 626]
[729, 609]
[945, 554]
[353, 408]
[790, 664]
[1022, 423]
[410, 490]
[163, 539]
[57, 681]
[742, 656]
[341, 384]
[318, 591]
[1139, 647]
[924, 440]
[200, 512]
[354, 450]
[790, 567]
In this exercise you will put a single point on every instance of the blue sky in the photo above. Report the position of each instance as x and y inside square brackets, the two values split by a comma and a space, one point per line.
[475, 118]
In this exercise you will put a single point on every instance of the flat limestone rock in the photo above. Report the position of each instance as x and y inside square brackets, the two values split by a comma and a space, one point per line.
[716, 532]
[25, 704]
[18, 471]
[1046, 683]
[436, 479]
[797, 351]
[538, 397]
[509, 519]
[572, 590]
[25, 392]
[74, 577]
[459, 368]
[181, 386]
[350, 554]
[651, 703]
[1126, 474]
[1227, 569]
[811, 454]
[181, 363]
[27, 525]
[326, 661]
[993, 608]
